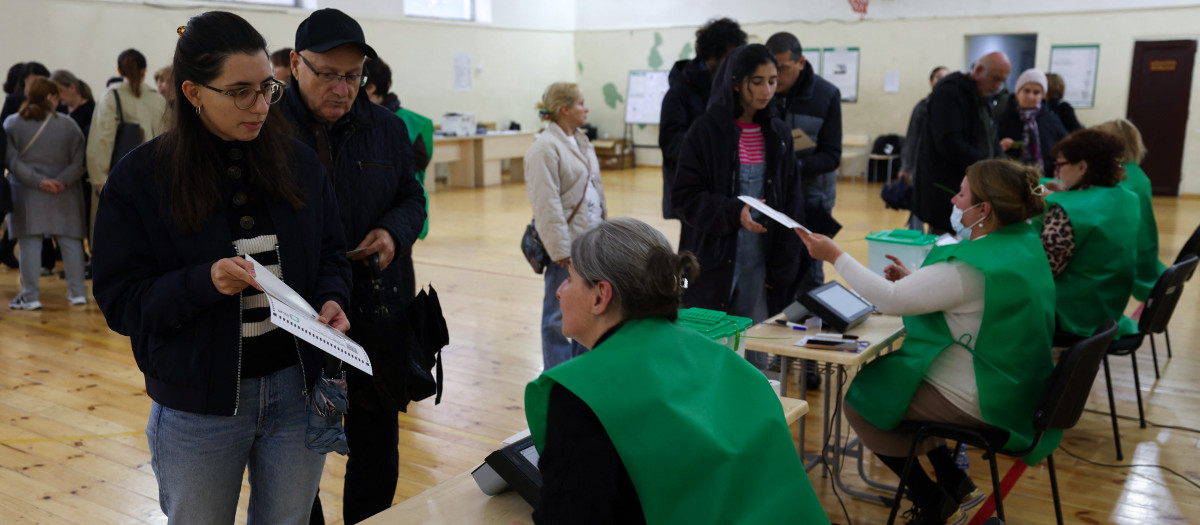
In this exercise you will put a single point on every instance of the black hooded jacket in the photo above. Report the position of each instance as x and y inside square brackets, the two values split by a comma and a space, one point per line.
[685, 101]
[706, 199]
[954, 133]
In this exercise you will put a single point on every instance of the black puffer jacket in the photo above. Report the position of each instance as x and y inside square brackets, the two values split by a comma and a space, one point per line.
[370, 160]
[954, 133]
[815, 106]
[705, 198]
[684, 102]
[1050, 131]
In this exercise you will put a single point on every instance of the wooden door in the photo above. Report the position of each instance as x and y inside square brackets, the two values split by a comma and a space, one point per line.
[1160, 88]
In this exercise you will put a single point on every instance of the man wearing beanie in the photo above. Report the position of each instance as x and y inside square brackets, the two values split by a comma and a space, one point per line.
[368, 156]
[1028, 128]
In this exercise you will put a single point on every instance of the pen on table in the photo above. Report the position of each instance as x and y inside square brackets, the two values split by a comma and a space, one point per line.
[844, 337]
[791, 325]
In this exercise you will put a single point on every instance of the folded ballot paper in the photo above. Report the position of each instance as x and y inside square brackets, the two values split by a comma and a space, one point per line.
[291, 312]
[772, 213]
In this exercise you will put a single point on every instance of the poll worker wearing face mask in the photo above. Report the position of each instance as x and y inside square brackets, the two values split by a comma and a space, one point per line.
[1090, 231]
[979, 316]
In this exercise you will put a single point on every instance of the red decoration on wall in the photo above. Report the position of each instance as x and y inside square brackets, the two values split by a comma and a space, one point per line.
[860, 7]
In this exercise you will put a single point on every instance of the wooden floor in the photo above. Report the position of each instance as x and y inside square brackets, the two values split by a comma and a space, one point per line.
[73, 403]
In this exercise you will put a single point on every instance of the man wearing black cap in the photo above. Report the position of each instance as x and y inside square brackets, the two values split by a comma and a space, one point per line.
[368, 156]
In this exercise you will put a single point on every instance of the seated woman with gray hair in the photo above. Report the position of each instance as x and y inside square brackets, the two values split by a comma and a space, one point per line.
[656, 423]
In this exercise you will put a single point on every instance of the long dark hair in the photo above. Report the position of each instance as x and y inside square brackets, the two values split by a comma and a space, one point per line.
[744, 65]
[185, 162]
[131, 63]
[15, 74]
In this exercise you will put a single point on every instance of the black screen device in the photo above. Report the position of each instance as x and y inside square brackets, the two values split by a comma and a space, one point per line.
[837, 307]
[517, 465]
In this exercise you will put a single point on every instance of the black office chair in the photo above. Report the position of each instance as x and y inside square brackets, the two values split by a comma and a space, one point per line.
[1191, 247]
[1061, 404]
[1155, 316]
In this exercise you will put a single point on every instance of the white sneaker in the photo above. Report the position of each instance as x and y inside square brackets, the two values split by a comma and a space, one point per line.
[21, 304]
[77, 301]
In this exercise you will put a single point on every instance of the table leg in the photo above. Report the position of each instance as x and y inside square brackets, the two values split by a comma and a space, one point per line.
[837, 450]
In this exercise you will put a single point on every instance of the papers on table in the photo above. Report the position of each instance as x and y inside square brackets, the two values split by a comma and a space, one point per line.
[291, 312]
[772, 213]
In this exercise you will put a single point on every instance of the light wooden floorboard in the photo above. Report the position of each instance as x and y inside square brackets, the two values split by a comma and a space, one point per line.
[72, 447]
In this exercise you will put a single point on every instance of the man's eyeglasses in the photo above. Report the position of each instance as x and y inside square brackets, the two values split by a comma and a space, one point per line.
[244, 98]
[332, 78]
[1059, 164]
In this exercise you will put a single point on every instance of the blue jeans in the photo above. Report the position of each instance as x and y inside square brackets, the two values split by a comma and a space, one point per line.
[748, 297]
[199, 460]
[556, 348]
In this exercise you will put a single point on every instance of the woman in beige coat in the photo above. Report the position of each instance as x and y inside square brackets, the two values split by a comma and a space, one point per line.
[139, 104]
[562, 177]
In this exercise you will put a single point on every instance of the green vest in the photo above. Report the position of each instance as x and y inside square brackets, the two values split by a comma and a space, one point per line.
[1148, 265]
[1011, 354]
[1098, 281]
[699, 429]
[419, 125]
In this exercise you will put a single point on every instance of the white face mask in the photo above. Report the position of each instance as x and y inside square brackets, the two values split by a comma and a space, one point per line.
[956, 216]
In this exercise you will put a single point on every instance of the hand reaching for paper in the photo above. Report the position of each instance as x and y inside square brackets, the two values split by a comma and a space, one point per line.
[749, 224]
[332, 315]
[232, 275]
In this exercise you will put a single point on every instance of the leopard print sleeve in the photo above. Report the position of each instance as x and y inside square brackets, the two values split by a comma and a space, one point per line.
[1058, 237]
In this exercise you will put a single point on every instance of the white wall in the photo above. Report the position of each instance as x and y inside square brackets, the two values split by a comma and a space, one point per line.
[511, 66]
[912, 47]
[640, 14]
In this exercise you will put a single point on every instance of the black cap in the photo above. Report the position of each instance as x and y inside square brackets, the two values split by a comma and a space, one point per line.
[328, 28]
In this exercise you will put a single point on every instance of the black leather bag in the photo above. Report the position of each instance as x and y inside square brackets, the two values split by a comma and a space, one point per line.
[897, 195]
[129, 135]
[534, 250]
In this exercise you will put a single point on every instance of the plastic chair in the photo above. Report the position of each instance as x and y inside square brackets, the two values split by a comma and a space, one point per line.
[1155, 316]
[1191, 247]
[1060, 406]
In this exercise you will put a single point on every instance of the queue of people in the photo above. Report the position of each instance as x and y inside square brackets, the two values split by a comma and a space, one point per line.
[326, 191]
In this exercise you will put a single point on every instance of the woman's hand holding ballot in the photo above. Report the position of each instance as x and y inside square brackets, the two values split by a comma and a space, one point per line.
[819, 246]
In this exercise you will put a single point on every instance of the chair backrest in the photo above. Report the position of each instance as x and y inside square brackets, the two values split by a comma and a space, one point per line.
[1070, 384]
[1191, 247]
[1160, 304]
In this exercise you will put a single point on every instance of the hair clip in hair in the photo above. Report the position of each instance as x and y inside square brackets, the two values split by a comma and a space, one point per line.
[1038, 190]
[544, 113]
[179, 31]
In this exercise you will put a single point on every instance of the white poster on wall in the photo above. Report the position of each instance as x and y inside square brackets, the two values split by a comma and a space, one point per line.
[839, 65]
[813, 56]
[462, 71]
[891, 81]
[645, 95]
[1077, 65]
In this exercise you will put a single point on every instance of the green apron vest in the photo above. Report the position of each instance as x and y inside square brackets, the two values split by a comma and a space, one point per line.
[1011, 354]
[699, 429]
[1098, 281]
[419, 125]
[1149, 268]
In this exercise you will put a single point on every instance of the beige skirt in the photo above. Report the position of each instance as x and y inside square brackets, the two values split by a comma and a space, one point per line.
[927, 405]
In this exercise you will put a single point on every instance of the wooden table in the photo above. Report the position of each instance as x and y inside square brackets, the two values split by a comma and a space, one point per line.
[459, 500]
[475, 160]
[880, 331]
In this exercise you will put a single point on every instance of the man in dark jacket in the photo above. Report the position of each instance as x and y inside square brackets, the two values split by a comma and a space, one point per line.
[807, 102]
[367, 153]
[687, 97]
[913, 140]
[961, 131]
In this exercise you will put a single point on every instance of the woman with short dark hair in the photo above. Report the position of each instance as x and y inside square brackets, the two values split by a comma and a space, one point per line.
[656, 423]
[1090, 232]
[226, 181]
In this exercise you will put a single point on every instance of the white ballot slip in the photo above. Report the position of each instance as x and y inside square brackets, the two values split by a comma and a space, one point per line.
[291, 312]
[772, 213]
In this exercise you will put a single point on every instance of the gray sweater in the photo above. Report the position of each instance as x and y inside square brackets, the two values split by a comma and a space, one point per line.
[57, 154]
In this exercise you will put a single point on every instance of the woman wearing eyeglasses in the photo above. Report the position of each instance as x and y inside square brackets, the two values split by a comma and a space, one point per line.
[1090, 232]
[225, 181]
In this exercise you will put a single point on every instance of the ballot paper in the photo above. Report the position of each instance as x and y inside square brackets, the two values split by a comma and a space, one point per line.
[292, 313]
[772, 213]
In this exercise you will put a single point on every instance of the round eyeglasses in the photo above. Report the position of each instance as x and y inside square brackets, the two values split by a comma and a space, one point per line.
[244, 98]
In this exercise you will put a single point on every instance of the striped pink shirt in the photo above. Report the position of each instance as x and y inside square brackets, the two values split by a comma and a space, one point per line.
[750, 144]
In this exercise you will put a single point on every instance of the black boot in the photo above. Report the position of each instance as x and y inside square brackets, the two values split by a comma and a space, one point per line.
[936, 508]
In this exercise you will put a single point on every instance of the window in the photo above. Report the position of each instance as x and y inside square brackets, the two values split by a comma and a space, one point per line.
[450, 9]
[282, 3]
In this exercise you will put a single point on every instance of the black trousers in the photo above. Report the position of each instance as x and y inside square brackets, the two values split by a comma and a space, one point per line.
[373, 465]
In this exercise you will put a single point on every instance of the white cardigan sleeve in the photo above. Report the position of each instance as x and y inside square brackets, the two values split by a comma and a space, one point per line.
[101, 138]
[939, 287]
[543, 185]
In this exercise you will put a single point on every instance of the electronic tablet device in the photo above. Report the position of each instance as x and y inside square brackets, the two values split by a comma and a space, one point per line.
[837, 307]
[516, 464]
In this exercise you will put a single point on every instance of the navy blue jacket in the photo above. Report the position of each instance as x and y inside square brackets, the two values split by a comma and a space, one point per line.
[815, 106]
[706, 199]
[152, 281]
[370, 160]
[686, 99]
